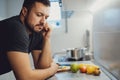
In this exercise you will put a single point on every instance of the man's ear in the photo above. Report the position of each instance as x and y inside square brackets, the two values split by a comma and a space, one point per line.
[24, 11]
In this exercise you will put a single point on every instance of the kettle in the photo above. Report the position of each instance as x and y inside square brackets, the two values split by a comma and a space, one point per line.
[76, 53]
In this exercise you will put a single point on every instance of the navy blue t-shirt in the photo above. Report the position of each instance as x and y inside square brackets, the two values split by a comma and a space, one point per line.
[13, 37]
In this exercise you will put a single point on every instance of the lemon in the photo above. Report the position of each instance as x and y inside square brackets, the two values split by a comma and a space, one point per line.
[90, 69]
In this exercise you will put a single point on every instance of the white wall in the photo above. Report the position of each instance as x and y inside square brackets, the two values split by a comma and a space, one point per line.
[3, 9]
[10, 8]
[14, 7]
[75, 37]
[78, 23]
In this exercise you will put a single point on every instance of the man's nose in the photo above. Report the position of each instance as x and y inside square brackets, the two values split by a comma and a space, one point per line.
[43, 20]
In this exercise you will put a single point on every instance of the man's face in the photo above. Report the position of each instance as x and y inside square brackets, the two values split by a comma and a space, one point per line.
[37, 16]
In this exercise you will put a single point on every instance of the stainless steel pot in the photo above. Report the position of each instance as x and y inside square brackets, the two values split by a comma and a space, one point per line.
[76, 54]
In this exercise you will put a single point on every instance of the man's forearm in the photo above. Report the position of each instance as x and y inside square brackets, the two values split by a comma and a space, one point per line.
[38, 74]
[45, 57]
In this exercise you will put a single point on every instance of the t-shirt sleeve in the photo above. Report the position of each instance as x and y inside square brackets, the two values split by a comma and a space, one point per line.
[16, 38]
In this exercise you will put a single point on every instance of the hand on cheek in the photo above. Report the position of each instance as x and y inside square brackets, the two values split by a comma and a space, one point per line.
[47, 31]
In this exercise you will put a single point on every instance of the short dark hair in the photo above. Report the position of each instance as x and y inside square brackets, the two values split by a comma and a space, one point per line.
[29, 3]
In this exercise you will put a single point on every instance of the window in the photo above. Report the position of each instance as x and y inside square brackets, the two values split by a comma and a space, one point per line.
[55, 14]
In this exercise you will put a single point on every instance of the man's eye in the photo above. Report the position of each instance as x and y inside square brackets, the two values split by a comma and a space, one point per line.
[39, 15]
[46, 17]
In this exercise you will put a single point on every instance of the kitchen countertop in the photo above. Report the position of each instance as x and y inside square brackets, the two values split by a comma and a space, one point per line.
[68, 75]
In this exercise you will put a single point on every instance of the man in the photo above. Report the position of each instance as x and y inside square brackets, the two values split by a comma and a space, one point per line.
[20, 35]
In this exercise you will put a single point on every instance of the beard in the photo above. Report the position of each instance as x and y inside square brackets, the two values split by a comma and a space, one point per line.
[31, 28]
[28, 26]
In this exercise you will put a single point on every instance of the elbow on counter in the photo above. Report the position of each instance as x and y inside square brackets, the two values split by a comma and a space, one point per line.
[42, 66]
[34, 75]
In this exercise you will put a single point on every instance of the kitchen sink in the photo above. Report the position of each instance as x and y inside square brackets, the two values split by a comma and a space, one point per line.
[63, 57]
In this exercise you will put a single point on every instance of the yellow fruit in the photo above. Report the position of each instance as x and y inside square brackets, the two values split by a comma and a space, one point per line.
[96, 67]
[90, 69]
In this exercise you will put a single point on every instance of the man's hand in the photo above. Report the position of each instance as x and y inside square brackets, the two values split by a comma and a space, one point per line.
[54, 67]
[47, 31]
